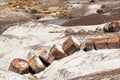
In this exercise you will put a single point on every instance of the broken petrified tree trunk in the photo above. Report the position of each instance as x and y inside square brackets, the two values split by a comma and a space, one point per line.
[100, 43]
[45, 55]
[112, 27]
[113, 42]
[58, 52]
[36, 64]
[89, 44]
[19, 66]
[70, 45]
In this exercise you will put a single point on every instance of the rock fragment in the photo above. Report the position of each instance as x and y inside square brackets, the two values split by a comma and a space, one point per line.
[99, 30]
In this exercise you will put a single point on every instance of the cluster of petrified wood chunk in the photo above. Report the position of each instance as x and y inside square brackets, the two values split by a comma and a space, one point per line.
[69, 46]
[45, 58]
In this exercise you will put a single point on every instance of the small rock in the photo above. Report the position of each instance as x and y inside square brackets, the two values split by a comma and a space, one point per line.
[99, 30]
[100, 11]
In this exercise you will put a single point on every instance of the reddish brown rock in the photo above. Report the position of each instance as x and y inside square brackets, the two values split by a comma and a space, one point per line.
[100, 43]
[36, 64]
[70, 45]
[45, 55]
[100, 11]
[58, 52]
[113, 42]
[89, 44]
[19, 66]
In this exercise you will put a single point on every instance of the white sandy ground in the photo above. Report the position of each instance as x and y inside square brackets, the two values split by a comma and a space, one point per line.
[8, 75]
[25, 40]
[82, 63]
[20, 40]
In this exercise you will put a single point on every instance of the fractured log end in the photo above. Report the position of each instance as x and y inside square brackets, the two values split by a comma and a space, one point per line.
[36, 64]
[19, 66]
[46, 56]
[70, 45]
[57, 51]
[112, 27]
[89, 44]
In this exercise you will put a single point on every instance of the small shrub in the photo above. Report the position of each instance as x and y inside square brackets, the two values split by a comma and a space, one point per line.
[34, 11]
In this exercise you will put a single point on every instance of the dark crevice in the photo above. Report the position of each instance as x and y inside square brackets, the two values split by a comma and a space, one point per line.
[44, 62]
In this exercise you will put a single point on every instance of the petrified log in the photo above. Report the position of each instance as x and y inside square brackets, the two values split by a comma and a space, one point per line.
[46, 56]
[36, 64]
[89, 44]
[112, 27]
[100, 43]
[113, 42]
[116, 26]
[58, 52]
[19, 66]
[70, 45]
